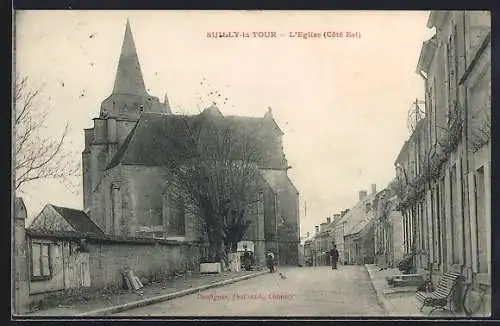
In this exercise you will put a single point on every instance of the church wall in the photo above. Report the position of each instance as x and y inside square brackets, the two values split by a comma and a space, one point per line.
[289, 247]
[87, 180]
[289, 210]
[97, 159]
[100, 211]
[139, 194]
[288, 240]
[146, 187]
[273, 153]
[269, 213]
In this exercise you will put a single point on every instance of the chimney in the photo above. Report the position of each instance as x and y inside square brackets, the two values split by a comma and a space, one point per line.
[308, 235]
[328, 220]
[362, 194]
[336, 217]
[374, 189]
[316, 228]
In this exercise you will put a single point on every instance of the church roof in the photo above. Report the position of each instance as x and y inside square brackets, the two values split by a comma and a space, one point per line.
[157, 138]
[129, 78]
[152, 140]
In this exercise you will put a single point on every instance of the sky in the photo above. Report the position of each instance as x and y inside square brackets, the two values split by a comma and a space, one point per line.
[342, 102]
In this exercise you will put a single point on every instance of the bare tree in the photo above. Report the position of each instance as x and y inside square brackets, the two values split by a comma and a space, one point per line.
[36, 156]
[213, 165]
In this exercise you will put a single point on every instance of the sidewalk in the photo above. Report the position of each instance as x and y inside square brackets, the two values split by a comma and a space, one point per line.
[151, 293]
[398, 301]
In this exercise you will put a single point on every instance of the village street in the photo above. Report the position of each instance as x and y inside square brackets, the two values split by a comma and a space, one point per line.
[175, 181]
[307, 291]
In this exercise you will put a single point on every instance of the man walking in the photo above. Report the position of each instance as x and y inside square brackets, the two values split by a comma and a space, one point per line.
[335, 256]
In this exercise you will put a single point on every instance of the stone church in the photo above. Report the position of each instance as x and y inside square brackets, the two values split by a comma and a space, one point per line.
[124, 180]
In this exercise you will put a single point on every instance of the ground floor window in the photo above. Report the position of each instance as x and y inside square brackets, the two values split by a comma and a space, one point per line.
[40, 261]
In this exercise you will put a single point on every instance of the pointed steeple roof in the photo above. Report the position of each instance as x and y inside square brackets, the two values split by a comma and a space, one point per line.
[129, 78]
[166, 102]
[269, 113]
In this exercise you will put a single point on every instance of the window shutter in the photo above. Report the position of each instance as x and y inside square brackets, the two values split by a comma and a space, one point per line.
[45, 260]
[448, 218]
[473, 219]
[487, 204]
[460, 213]
[429, 219]
[35, 259]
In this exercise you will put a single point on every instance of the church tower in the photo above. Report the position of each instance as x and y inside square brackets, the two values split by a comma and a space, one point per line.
[118, 115]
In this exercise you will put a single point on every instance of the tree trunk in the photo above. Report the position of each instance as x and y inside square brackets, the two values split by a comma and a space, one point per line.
[214, 250]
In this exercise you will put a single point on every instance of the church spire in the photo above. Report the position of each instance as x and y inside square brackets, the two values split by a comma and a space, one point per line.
[129, 78]
[166, 103]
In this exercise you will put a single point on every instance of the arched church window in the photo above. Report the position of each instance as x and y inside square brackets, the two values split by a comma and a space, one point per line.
[180, 217]
[116, 208]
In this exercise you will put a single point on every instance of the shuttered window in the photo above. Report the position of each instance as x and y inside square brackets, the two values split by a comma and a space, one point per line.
[40, 261]
[35, 258]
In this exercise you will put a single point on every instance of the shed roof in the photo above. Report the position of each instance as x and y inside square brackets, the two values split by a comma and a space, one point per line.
[56, 219]
[78, 219]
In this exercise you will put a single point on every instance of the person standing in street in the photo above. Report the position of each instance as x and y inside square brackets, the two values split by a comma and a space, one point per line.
[334, 253]
[270, 261]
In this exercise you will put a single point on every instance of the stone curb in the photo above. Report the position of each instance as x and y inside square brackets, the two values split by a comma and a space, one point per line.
[165, 297]
[380, 296]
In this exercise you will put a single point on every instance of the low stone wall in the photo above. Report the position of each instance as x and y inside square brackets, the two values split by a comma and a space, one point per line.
[147, 259]
[107, 258]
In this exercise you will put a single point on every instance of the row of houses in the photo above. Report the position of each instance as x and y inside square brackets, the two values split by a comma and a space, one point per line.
[438, 207]
[356, 232]
[443, 172]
